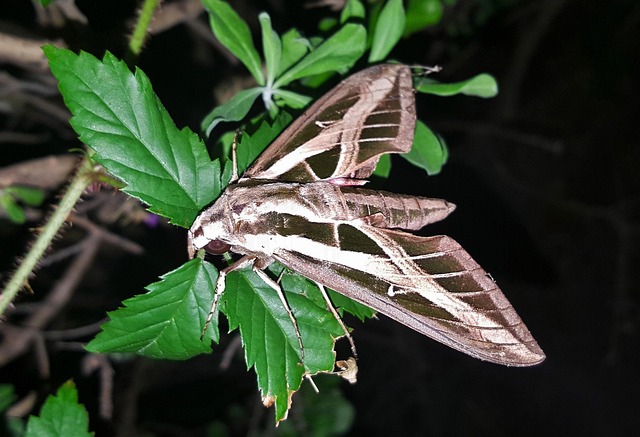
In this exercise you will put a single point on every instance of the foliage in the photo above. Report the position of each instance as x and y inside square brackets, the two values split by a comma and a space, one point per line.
[129, 132]
[11, 197]
[118, 115]
[61, 415]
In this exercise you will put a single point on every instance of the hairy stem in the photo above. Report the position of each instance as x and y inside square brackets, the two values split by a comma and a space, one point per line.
[83, 177]
[142, 26]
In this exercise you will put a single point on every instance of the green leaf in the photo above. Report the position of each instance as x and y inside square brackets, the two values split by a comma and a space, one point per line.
[252, 145]
[429, 150]
[167, 321]
[14, 211]
[292, 281]
[317, 80]
[422, 14]
[482, 85]
[7, 397]
[9, 426]
[388, 30]
[227, 173]
[235, 109]
[10, 196]
[222, 148]
[61, 415]
[373, 13]
[327, 23]
[233, 32]
[27, 195]
[343, 303]
[338, 52]
[383, 168]
[272, 47]
[269, 338]
[352, 9]
[292, 99]
[294, 47]
[118, 115]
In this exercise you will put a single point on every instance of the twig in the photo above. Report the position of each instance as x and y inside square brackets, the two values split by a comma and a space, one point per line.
[22, 51]
[19, 340]
[82, 179]
[529, 41]
[107, 236]
[229, 352]
[49, 172]
[537, 141]
[80, 331]
[141, 27]
[173, 14]
[100, 362]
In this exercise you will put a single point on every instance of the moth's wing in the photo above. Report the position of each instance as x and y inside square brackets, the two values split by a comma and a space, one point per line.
[343, 134]
[430, 284]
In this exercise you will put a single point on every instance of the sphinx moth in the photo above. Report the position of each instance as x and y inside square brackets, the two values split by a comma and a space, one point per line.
[302, 203]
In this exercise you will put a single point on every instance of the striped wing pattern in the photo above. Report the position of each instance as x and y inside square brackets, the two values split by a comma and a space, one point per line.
[430, 284]
[300, 203]
[344, 133]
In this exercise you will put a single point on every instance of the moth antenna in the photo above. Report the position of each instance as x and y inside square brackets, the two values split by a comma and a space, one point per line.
[273, 284]
[339, 319]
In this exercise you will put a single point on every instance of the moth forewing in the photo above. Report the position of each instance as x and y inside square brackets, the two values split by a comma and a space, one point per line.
[301, 203]
[343, 134]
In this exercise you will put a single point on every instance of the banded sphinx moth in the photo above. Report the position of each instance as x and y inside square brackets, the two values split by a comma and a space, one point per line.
[301, 203]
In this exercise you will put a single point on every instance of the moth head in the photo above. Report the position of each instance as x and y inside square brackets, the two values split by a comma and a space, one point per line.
[205, 234]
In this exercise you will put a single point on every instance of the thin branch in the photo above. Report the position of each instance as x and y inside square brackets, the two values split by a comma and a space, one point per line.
[80, 331]
[528, 44]
[80, 182]
[107, 236]
[19, 340]
[173, 14]
[140, 31]
[100, 362]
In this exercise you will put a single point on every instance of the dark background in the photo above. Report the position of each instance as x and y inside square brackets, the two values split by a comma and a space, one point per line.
[546, 181]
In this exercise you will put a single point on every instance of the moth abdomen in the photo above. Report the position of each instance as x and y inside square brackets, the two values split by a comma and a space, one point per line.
[395, 210]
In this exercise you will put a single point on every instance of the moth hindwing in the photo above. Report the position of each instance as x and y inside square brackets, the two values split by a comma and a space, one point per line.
[302, 203]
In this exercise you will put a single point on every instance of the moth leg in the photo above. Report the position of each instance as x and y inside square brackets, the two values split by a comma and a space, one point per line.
[273, 284]
[339, 319]
[234, 157]
[221, 284]
[313, 384]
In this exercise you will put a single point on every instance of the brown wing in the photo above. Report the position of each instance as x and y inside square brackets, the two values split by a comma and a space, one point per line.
[343, 134]
[430, 284]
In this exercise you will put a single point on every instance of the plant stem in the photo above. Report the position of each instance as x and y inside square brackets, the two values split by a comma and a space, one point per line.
[83, 177]
[142, 25]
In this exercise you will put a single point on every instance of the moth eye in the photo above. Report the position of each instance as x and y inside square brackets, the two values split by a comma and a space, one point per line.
[217, 247]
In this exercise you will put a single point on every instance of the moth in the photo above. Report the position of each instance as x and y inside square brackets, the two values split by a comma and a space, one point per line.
[302, 203]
